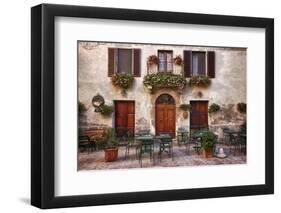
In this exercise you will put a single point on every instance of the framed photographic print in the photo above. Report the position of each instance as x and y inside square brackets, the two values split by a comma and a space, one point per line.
[139, 106]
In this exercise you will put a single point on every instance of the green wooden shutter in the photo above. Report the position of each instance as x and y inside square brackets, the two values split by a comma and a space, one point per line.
[211, 64]
[111, 61]
[137, 62]
[187, 59]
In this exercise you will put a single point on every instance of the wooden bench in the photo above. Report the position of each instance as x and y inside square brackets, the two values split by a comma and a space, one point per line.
[93, 135]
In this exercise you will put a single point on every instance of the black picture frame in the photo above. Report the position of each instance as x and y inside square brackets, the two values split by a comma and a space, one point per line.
[43, 105]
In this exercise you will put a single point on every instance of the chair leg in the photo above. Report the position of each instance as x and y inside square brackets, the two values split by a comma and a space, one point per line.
[140, 159]
[172, 152]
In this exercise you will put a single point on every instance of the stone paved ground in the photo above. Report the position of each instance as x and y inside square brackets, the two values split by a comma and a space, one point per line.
[95, 160]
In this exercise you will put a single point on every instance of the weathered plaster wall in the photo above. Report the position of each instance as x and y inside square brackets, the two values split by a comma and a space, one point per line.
[227, 89]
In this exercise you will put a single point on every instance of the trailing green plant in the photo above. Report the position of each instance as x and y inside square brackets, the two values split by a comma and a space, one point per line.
[178, 60]
[106, 110]
[81, 107]
[153, 60]
[122, 80]
[214, 108]
[109, 140]
[162, 79]
[208, 139]
[199, 81]
[186, 107]
[242, 107]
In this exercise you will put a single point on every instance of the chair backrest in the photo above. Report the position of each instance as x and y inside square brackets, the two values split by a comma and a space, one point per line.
[144, 132]
[181, 129]
[225, 129]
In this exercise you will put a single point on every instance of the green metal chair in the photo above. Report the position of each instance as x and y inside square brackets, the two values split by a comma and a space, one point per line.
[182, 136]
[143, 132]
[243, 143]
[190, 142]
[234, 142]
[226, 136]
[166, 146]
[84, 143]
[146, 146]
[131, 143]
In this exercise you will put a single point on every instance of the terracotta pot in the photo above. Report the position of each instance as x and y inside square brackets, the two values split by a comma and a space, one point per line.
[208, 153]
[185, 114]
[110, 154]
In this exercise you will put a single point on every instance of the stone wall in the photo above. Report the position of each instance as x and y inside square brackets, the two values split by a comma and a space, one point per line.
[227, 89]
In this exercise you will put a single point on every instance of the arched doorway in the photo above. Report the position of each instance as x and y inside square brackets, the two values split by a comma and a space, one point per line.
[165, 115]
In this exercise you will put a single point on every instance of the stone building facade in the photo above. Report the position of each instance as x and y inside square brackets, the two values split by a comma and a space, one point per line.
[227, 88]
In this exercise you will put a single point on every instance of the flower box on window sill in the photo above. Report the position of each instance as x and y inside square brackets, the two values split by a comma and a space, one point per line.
[164, 80]
[122, 80]
[199, 81]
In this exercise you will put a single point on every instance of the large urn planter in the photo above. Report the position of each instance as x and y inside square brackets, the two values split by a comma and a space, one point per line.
[110, 154]
[208, 153]
[109, 143]
[208, 141]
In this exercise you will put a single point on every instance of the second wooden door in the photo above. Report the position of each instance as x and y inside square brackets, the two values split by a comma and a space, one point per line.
[124, 117]
[165, 115]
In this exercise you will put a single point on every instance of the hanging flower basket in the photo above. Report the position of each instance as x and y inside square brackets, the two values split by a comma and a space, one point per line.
[123, 81]
[153, 60]
[106, 110]
[185, 108]
[178, 60]
[214, 108]
[242, 107]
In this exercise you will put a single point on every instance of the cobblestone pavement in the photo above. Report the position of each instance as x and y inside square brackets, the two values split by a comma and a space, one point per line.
[95, 160]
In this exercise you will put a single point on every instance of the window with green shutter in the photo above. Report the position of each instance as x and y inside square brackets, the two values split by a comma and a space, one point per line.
[199, 63]
[124, 60]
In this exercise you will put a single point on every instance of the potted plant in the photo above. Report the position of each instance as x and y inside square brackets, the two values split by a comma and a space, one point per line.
[185, 108]
[106, 110]
[153, 60]
[214, 108]
[199, 81]
[164, 80]
[242, 107]
[109, 143]
[208, 140]
[122, 80]
[178, 60]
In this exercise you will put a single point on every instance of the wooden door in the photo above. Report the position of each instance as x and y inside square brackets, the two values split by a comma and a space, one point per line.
[199, 114]
[124, 117]
[165, 115]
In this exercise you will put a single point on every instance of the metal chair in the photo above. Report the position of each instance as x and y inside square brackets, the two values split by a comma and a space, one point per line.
[143, 132]
[189, 143]
[234, 142]
[226, 136]
[84, 143]
[182, 135]
[146, 146]
[131, 143]
[243, 143]
[166, 145]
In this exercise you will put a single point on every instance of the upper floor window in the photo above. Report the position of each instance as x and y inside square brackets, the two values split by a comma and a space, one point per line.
[199, 63]
[124, 60]
[165, 61]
